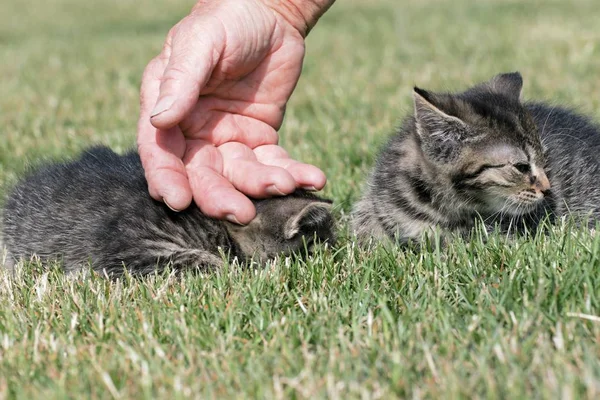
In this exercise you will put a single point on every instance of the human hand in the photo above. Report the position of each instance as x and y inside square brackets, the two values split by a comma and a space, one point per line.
[222, 82]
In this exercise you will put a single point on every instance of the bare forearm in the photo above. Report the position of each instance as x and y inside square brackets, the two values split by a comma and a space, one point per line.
[301, 14]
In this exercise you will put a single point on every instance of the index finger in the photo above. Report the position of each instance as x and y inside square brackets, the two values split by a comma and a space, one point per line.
[161, 151]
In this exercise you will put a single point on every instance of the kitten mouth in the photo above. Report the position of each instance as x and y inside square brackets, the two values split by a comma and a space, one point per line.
[516, 204]
[530, 196]
[524, 202]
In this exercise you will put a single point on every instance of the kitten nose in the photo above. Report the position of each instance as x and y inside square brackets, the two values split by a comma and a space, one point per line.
[541, 181]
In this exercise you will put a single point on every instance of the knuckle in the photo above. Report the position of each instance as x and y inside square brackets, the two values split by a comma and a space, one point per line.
[271, 151]
[151, 73]
[201, 156]
[235, 150]
[176, 69]
[153, 68]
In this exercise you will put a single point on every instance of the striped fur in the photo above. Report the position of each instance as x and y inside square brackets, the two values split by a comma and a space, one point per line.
[482, 154]
[96, 210]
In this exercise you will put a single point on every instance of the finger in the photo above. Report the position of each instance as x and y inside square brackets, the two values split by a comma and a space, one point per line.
[217, 198]
[250, 176]
[161, 151]
[220, 127]
[264, 153]
[195, 51]
[164, 170]
[213, 193]
[306, 176]
[258, 180]
[150, 87]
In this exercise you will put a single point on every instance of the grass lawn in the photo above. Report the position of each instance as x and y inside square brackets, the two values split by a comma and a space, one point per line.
[487, 319]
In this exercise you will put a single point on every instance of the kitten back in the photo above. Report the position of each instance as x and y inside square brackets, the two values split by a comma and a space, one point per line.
[96, 211]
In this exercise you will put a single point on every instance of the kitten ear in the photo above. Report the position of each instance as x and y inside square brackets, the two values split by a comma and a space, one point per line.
[431, 120]
[310, 219]
[509, 85]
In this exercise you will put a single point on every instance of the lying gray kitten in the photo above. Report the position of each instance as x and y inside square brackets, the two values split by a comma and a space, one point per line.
[482, 154]
[97, 210]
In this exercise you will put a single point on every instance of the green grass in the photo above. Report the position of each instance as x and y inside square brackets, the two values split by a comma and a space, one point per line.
[491, 318]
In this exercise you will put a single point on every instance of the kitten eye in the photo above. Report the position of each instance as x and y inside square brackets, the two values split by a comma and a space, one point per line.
[523, 168]
[485, 167]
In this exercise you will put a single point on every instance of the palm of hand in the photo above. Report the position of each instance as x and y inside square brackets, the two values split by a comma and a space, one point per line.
[227, 141]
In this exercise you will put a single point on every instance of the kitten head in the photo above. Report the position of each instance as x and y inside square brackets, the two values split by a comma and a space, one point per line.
[485, 142]
[285, 226]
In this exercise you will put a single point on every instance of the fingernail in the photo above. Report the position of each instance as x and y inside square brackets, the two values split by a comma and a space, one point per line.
[172, 209]
[310, 188]
[274, 191]
[232, 218]
[163, 105]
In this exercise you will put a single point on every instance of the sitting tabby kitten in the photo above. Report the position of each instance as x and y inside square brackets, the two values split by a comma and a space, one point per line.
[483, 154]
[97, 209]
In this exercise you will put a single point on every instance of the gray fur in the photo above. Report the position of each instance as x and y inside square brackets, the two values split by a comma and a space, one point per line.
[96, 211]
[483, 154]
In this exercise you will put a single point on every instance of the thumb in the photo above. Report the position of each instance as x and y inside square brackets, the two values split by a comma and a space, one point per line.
[195, 50]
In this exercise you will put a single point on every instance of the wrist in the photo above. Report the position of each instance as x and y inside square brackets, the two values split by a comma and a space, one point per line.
[301, 14]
